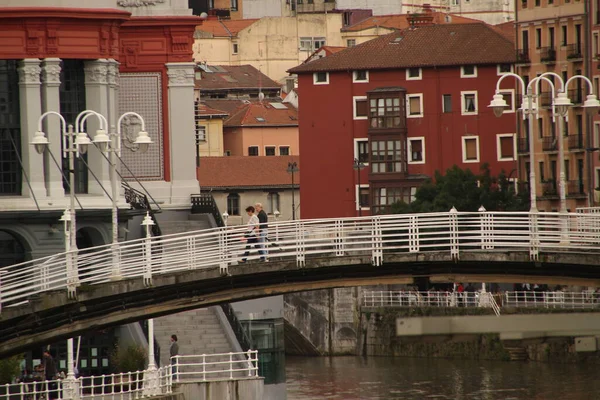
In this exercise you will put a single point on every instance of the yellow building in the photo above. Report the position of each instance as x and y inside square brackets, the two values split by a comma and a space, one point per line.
[271, 44]
[209, 131]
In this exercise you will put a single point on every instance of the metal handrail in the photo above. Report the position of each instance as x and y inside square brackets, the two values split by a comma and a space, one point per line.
[205, 367]
[205, 203]
[376, 236]
[554, 299]
[236, 326]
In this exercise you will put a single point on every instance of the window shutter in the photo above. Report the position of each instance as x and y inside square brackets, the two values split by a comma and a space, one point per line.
[414, 105]
[361, 108]
[471, 149]
[507, 147]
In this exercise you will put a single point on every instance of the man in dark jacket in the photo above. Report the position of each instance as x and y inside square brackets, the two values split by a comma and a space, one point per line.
[263, 230]
[174, 351]
[50, 374]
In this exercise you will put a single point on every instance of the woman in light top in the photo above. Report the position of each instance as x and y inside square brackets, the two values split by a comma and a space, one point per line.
[251, 234]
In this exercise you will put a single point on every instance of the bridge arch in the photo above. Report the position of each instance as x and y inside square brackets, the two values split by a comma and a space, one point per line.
[15, 248]
[88, 237]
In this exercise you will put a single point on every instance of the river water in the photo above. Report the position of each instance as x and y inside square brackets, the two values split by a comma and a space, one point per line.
[387, 378]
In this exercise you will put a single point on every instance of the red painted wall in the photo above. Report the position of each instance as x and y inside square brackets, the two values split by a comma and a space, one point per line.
[327, 131]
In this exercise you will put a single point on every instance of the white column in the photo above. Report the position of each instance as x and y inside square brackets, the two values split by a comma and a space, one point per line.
[113, 91]
[51, 100]
[96, 98]
[31, 109]
[181, 132]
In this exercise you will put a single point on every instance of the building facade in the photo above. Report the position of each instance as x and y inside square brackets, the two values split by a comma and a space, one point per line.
[490, 11]
[404, 105]
[555, 37]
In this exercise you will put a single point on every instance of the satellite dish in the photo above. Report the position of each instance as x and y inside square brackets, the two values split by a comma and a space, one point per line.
[203, 15]
[261, 96]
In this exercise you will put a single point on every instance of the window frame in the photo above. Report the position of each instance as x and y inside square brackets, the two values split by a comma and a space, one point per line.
[444, 103]
[463, 103]
[500, 73]
[234, 6]
[356, 80]
[511, 109]
[315, 74]
[357, 196]
[270, 147]
[235, 48]
[270, 196]
[409, 149]
[389, 112]
[464, 148]
[499, 137]
[413, 78]
[231, 197]
[376, 165]
[462, 71]
[408, 97]
[357, 150]
[284, 147]
[257, 151]
[359, 117]
[201, 138]
[348, 42]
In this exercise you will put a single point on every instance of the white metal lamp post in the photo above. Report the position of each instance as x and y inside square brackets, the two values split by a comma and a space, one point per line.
[151, 374]
[276, 213]
[225, 218]
[292, 169]
[112, 144]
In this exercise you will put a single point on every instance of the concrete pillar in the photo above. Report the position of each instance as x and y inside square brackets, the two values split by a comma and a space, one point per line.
[31, 109]
[181, 133]
[113, 108]
[51, 101]
[97, 99]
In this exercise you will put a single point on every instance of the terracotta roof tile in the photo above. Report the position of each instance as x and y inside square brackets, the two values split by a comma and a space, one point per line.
[401, 21]
[427, 46]
[225, 28]
[245, 171]
[234, 77]
[204, 109]
[507, 29]
[263, 113]
[227, 105]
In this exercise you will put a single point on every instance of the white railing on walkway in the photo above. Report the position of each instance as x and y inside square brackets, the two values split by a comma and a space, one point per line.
[452, 232]
[407, 298]
[140, 384]
[556, 299]
[207, 367]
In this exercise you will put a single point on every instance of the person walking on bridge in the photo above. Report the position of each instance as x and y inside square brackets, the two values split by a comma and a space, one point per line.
[173, 352]
[251, 234]
[263, 229]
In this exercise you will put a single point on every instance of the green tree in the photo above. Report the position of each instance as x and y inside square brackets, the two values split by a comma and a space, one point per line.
[467, 192]
[10, 368]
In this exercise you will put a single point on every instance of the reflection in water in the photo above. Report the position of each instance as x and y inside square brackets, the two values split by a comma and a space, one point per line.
[353, 378]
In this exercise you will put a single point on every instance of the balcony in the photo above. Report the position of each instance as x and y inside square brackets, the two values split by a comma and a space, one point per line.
[576, 95]
[549, 188]
[574, 52]
[523, 146]
[523, 56]
[548, 55]
[550, 143]
[575, 142]
[575, 188]
[545, 99]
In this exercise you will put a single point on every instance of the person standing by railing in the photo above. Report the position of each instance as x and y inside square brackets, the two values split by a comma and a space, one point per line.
[173, 352]
[50, 374]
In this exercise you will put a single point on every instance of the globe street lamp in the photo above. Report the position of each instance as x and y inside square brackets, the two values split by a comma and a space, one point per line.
[358, 166]
[292, 169]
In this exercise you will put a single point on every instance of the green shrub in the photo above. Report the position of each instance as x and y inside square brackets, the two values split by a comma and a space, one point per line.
[10, 368]
[130, 358]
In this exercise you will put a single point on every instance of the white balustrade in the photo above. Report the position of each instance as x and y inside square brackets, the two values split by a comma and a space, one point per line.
[206, 367]
[373, 237]
[555, 299]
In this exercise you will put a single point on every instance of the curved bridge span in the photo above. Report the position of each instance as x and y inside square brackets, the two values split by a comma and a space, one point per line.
[59, 296]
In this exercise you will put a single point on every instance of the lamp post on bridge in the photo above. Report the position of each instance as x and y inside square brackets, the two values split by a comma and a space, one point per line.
[292, 169]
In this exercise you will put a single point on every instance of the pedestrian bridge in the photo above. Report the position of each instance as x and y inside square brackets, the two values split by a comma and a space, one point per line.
[65, 294]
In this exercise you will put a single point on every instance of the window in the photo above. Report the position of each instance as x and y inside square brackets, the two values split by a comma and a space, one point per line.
[10, 130]
[384, 197]
[416, 150]
[542, 171]
[227, 153]
[253, 150]
[360, 107]
[269, 150]
[387, 156]
[468, 103]
[363, 197]
[470, 149]
[284, 150]
[538, 38]
[211, 4]
[321, 78]
[385, 112]
[468, 71]
[564, 36]
[318, 42]
[537, 3]
[505, 146]
[234, 5]
[361, 150]
[541, 127]
[233, 204]
[504, 69]
[272, 202]
[235, 48]
[311, 43]
[509, 97]
[200, 134]
[360, 76]
[413, 74]
[447, 103]
[351, 42]
[414, 105]
[595, 44]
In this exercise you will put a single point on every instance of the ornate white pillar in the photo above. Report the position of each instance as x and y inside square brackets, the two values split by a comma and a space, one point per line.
[113, 91]
[51, 100]
[181, 133]
[96, 99]
[31, 110]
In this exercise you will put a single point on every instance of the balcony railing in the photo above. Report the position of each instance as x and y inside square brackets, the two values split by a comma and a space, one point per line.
[549, 188]
[574, 52]
[546, 99]
[523, 146]
[550, 143]
[576, 188]
[547, 54]
[576, 95]
[575, 142]
[523, 56]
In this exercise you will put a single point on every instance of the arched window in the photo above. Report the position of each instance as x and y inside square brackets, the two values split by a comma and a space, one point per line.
[233, 204]
[272, 202]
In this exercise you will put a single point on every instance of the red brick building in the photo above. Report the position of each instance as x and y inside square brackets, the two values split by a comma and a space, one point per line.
[406, 104]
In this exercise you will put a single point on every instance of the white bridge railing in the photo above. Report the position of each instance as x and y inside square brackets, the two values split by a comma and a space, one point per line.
[453, 232]
[140, 384]
[557, 299]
